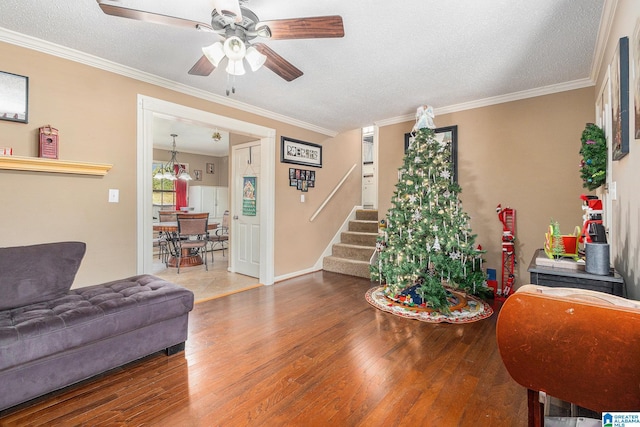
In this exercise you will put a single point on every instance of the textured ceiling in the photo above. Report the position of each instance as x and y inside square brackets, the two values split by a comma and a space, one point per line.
[394, 56]
[190, 138]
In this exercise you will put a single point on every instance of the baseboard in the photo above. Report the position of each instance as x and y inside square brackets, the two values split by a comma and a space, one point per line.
[297, 273]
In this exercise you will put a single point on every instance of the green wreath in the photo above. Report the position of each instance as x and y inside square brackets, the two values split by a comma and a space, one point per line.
[593, 167]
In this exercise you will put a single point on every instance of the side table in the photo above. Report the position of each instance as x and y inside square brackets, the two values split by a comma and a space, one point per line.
[543, 272]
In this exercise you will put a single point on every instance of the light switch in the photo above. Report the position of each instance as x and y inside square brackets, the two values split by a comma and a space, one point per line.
[114, 195]
[613, 191]
[302, 198]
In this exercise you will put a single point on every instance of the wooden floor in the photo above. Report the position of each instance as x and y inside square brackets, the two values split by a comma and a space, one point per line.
[309, 351]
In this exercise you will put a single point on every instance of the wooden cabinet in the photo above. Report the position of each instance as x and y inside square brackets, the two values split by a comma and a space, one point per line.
[548, 275]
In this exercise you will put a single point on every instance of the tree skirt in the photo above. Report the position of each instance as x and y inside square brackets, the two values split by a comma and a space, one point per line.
[474, 310]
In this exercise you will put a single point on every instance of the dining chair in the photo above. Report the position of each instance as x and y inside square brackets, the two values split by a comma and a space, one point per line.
[221, 234]
[161, 243]
[163, 238]
[167, 216]
[192, 236]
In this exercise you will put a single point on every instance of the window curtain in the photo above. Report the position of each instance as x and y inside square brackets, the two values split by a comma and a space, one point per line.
[181, 190]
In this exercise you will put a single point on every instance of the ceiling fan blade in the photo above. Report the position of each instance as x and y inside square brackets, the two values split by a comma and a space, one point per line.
[202, 68]
[277, 63]
[305, 28]
[110, 8]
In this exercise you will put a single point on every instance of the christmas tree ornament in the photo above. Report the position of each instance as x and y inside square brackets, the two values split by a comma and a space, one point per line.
[436, 244]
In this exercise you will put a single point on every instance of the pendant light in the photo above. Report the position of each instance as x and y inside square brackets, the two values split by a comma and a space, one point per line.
[168, 171]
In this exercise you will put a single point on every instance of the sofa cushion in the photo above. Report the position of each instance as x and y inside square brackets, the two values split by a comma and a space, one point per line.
[36, 273]
[86, 315]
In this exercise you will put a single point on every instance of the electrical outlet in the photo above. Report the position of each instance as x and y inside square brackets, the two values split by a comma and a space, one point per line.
[114, 195]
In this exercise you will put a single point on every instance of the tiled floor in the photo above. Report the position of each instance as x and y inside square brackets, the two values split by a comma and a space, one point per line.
[206, 285]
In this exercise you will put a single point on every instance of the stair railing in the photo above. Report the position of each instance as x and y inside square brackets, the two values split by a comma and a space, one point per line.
[330, 196]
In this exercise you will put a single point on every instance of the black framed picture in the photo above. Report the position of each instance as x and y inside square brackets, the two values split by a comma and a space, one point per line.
[635, 76]
[302, 179]
[14, 102]
[620, 99]
[300, 152]
[448, 134]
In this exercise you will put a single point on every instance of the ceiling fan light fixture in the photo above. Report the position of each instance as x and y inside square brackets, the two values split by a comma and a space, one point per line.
[214, 53]
[234, 48]
[263, 30]
[235, 67]
[255, 58]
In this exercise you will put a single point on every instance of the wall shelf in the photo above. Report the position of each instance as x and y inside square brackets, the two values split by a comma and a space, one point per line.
[37, 164]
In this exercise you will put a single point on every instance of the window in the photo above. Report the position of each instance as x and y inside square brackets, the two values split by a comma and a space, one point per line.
[164, 191]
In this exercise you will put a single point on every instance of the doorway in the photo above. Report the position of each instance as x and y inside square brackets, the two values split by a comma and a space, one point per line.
[148, 108]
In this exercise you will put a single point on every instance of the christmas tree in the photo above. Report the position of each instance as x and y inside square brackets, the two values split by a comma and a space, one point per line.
[427, 243]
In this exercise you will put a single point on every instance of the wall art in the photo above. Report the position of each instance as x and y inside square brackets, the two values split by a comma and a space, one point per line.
[14, 102]
[635, 75]
[620, 99]
[447, 134]
[300, 152]
[302, 179]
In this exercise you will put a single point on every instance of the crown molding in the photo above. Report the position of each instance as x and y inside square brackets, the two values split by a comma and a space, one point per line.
[510, 97]
[604, 31]
[33, 43]
[43, 46]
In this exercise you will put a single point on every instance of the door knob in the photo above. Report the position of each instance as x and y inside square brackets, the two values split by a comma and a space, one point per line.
[235, 217]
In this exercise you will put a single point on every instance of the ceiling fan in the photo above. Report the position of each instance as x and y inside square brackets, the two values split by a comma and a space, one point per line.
[238, 27]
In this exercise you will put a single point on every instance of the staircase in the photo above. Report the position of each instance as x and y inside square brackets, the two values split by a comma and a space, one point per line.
[351, 256]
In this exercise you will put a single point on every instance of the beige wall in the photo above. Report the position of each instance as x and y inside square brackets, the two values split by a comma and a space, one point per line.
[219, 177]
[522, 154]
[95, 113]
[293, 225]
[624, 231]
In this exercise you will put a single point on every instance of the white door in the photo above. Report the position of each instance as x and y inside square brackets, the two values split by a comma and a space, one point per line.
[245, 221]
[369, 167]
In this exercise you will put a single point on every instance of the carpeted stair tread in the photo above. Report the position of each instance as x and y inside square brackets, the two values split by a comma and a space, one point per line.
[359, 238]
[351, 256]
[364, 226]
[367, 215]
[355, 252]
[346, 266]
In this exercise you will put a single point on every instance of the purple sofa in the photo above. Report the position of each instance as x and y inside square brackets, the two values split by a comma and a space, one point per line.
[52, 336]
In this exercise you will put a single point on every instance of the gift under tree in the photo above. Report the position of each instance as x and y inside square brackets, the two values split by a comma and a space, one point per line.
[428, 245]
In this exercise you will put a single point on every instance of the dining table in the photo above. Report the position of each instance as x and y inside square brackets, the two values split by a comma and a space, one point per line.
[189, 258]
